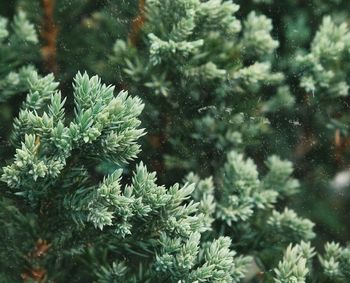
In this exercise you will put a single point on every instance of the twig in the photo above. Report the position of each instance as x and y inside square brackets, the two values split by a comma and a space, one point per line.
[37, 273]
[137, 24]
[341, 145]
[49, 35]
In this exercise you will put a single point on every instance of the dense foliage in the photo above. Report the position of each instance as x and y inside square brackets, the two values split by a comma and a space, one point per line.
[216, 151]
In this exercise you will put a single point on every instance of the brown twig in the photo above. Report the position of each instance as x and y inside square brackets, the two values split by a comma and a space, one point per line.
[341, 145]
[34, 275]
[37, 273]
[137, 24]
[49, 35]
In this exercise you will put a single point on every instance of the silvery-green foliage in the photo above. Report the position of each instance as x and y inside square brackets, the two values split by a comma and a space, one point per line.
[326, 67]
[279, 177]
[206, 75]
[186, 39]
[243, 192]
[204, 194]
[283, 99]
[104, 126]
[257, 39]
[243, 202]
[252, 77]
[207, 66]
[336, 262]
[294, 266]
[157, 227]
[297, 264]
[245, 206]
[325, 75]
[215, 262]
[109, 204]
[17, 40]
[287, 226]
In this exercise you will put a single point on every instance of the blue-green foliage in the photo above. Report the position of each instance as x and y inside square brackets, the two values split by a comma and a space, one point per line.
[17, 42]
[213, 87]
